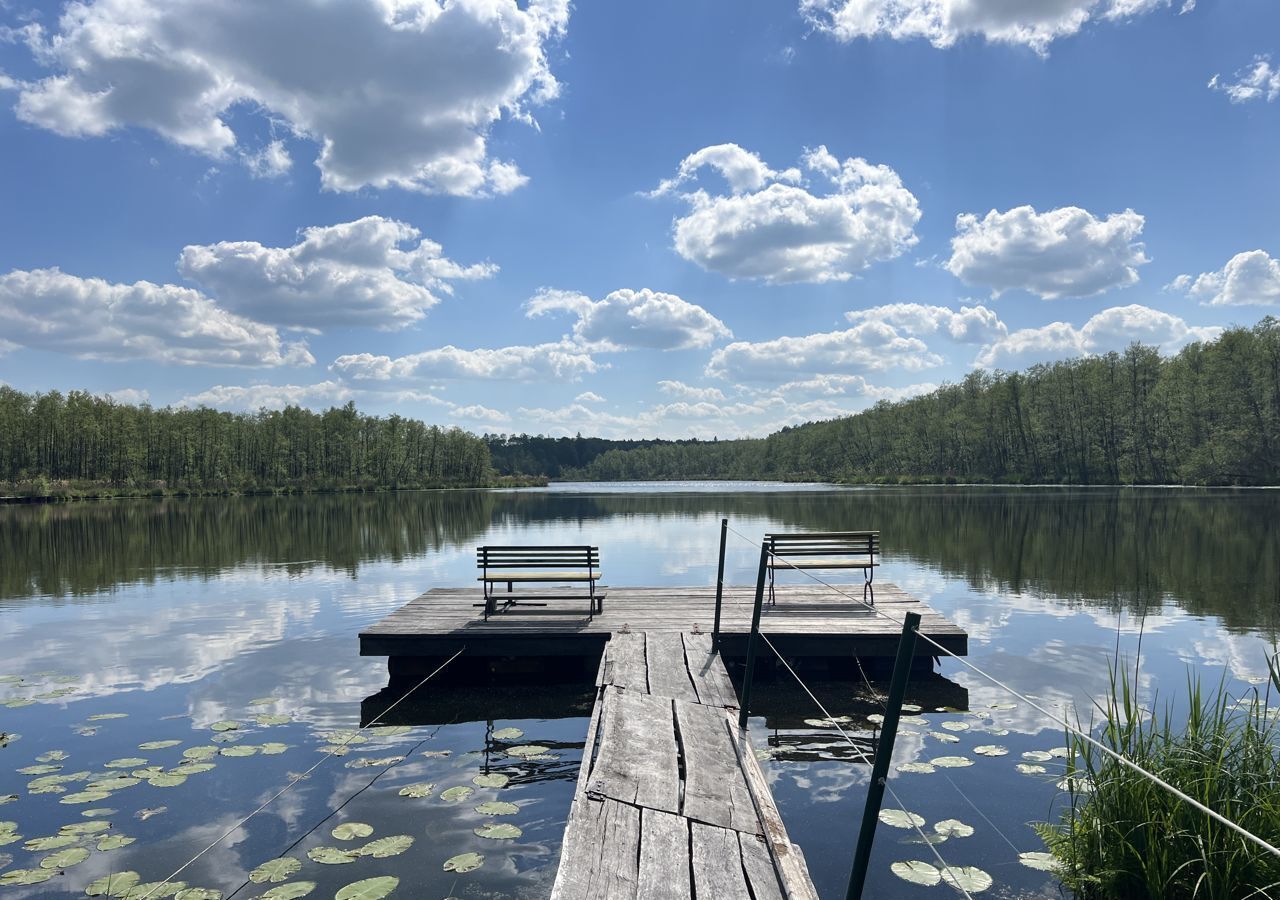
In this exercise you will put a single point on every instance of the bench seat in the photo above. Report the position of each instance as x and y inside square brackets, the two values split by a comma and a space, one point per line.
[539, 576]
[821, 564]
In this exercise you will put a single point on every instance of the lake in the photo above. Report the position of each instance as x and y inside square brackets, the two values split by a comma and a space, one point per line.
[135, 635]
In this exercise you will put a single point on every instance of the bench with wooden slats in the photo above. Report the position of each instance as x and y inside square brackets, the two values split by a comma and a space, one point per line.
[539, 565]
[825, 550]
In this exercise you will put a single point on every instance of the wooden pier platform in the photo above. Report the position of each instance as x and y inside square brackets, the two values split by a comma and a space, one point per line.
[806, 621]
[671, 802]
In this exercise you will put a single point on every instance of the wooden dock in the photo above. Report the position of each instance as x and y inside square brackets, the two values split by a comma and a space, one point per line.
[806, 621]
[671, 802]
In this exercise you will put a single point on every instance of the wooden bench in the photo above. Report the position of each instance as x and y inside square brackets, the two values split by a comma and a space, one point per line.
[546, 565]
[825, 550]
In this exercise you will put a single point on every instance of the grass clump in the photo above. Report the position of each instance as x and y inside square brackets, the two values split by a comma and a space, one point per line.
[1123, 836]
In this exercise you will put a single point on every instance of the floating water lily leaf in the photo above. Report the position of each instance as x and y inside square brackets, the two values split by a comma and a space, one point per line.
[263, 701]
[148, 772]
[1030, 769]
[817, 723]
[463, 863]
[238, 750]
[1038, 755]
[273, 748]
[967, 878]
[921, 768]
[166, 780]
[433, 754]
[198, 893]
[84, 827]
[128, 762]
[114, 841]
[42, 844]
[390, 730]
[10, 679]
[349, 831]
[85, 730]
[368, 889]
[953, 828]
[193, 768]
[65, 859]
[508, 734]
[387, 846]
[952, 762]
[145, 814]
[333, 750]
[203, 752]
[944, 737]
[153, 889]
[100, 811]
[345, 736]
[1038, 859]
[1060, 752]
[496, 780]
[85, 797]
[290, 891]
[118, 783]
[332, 856]
[39, 770]
[114, 885]
[527, 750]
[955, 726]
[499, 831]
[275, 870]
[454, 794]
[875, 719]
[497, 808]
[369, 762]
[17, 703]
[1076, 784]
[7, 798]
[913, 720]
[421, 789]
[9, 837]
[100, 717]
[900, 818]
[160, 745]
[271, 719]
[52, 756]
[916, 872]
[225, 725]
[26, 876]
[991, 750]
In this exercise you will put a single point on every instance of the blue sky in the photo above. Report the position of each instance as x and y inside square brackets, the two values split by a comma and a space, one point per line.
[660, 219]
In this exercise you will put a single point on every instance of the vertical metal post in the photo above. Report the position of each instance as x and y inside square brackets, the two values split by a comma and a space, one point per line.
[884, 751]
[751, 640]
[724, 534]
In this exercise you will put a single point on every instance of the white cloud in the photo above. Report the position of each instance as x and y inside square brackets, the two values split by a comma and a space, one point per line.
[1260, 80]
[971, 325]
[688, 392]
[563, 361]
[1065, 252]
[633, 319]
[773, 228]
[866, 347]
[271, 396]
[132, 396]
[352, 274]
[828, 386]
[1030, 23]
[396, 94]
[1249, 278]
[477, 413]
[47, 309]
[588, 397]
[1111, 329]
[271, 161]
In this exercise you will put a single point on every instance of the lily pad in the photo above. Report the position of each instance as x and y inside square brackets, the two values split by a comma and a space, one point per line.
[18, 703]
[166, 780]
[953, 828]
[369, 762]
[1038, 859]
[952, 762]
[1037, 755]
[944, 737]
[967, 878]
[273, 748]
[991, 750]
[84, 827]
[263, 701]
[52, 756]
[100, 811]
[65, 859]
[41, 844]
[274, 870]
[496, 780]
[290, 891]
[900, 818]
[1076, 785]
[421, 789]
[368, 888]
[454, 794]
[499, 831]
[118, 783]
[269, 719]
[497, 808]
[114, 841]
[955, 726]
[117, 884]
[158, 745]
[437, 754]
[387, 846]
[238, 750]
[192, 768]
[916, 872]
[7, 798]
[198, 893]
[390, 730]
[332, 856]
[508, 734]
[102, 717]
[154, 889]
[1060, 752]
[349, 831]
[225, 725]
[205, 751]
[922, 768]
[527, 750]
[26, 876]
[39, 770]
[1030, 769]
[345, 736]
[85, 797]
[463, 863]
[145, 814]
[128, 762]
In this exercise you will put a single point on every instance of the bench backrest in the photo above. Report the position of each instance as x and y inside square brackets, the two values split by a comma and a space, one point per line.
[825, 544]
[547, 557]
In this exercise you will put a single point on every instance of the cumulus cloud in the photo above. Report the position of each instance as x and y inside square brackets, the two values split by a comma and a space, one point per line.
[1030, 23]
[588, 397]
[823, 222]
[1065, 252]
[249, 398]
[684, 391]
[1259, 81]
[866, 347]
[1111, 329]
[830, 386]
[47, 309]
[477, 413]
[970, 325]
[1250, 278]
[132, 396]
[395, 94]
[372, 272]
[271, 161]
[563, 361]
[628, 319]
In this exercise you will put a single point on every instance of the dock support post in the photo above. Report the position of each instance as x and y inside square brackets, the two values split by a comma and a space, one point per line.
[715, 632]
[884, 751]
[745, 711]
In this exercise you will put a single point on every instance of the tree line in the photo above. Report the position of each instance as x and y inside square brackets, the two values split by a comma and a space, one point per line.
[53, 442]
[1209, 414]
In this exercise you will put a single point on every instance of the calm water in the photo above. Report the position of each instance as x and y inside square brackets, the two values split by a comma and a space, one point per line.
[171, 616]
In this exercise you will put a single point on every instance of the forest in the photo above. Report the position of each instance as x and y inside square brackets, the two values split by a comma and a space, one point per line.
[53, 444]
[1209, 414]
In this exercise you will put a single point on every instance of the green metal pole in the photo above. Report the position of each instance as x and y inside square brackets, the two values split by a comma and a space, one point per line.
[751, 640]
[884, 752]
[724, 534]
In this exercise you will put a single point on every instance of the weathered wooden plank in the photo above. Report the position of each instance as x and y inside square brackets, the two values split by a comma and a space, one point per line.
[638, 760]
[601, 851]
[709, 675]
[664, 856]
[623, 664]
[758, 865]
[715, 790]
[668, 671]
[717, 862]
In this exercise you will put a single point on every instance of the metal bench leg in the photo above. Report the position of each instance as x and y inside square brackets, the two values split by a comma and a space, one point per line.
[868, 588]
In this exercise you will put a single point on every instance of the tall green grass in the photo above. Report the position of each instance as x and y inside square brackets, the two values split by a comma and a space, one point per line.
[1124, 837]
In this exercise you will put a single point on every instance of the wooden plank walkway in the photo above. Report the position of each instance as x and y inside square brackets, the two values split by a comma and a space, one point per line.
[806, 621]
[671, 802]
